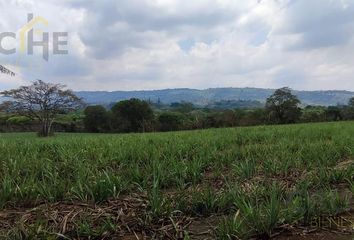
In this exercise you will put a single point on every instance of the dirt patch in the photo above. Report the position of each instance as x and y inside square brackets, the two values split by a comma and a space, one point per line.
[116, 219]
[328, 228]
[317, 236]
[128, 220]
[204, 228]
[344, 164]
[216, 181]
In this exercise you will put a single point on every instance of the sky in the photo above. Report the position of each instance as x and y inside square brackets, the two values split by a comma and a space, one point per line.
[158, 44]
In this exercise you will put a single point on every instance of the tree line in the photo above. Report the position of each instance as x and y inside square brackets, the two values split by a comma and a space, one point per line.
[51, 107]
[136, 115]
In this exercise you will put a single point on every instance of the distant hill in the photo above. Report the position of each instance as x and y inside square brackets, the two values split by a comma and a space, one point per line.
[210, 96]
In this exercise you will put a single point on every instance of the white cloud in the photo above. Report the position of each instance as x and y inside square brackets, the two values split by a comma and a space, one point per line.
[154, 44]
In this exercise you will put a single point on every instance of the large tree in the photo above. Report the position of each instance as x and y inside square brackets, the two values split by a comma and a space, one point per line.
[132, 115]
[41, 101]
[96, 119]
[171, 121]
[283, 107]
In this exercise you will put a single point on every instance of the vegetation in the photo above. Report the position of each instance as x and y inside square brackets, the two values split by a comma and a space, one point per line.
[255, 181]
[170, 121]
[283, 107]
[41, 101]
[250, 182]
[96, 119]
[201, 98]
[132, 115]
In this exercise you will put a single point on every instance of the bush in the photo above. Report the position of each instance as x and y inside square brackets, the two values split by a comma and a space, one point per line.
[96, 119]
[18, 120]
[171, 121]
[132, 115]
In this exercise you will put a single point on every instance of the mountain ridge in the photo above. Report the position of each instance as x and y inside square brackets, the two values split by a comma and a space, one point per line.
[204, 97]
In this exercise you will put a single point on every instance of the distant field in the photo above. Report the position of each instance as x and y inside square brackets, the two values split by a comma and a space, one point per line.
[221, 183]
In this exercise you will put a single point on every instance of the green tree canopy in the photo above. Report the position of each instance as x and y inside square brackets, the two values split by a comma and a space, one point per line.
[96, 119]
[283, 107]
[171, 121]
[132, 115]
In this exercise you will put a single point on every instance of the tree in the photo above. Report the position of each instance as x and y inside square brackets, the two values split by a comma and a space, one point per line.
[351, 102]
[253, 117]
[171, 121]
[313, 114]
[183, 107]
[41, 101]
[283, 107]
[334, 113]
[228, 118]
[348, 111]
[6, 71]
[96, 119]
[132, 115]
[19, 120]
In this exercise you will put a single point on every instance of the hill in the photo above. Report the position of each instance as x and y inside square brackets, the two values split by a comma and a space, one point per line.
[210, 96]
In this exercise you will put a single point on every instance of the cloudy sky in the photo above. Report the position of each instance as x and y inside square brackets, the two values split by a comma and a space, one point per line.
[157, 44]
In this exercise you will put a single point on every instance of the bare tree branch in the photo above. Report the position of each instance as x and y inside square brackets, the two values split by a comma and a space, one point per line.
[41, 101]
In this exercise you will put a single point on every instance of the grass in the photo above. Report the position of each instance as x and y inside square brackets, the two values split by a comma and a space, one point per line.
[257, 179]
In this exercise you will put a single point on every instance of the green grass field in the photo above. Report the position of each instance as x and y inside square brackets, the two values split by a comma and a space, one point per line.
[222, 183]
